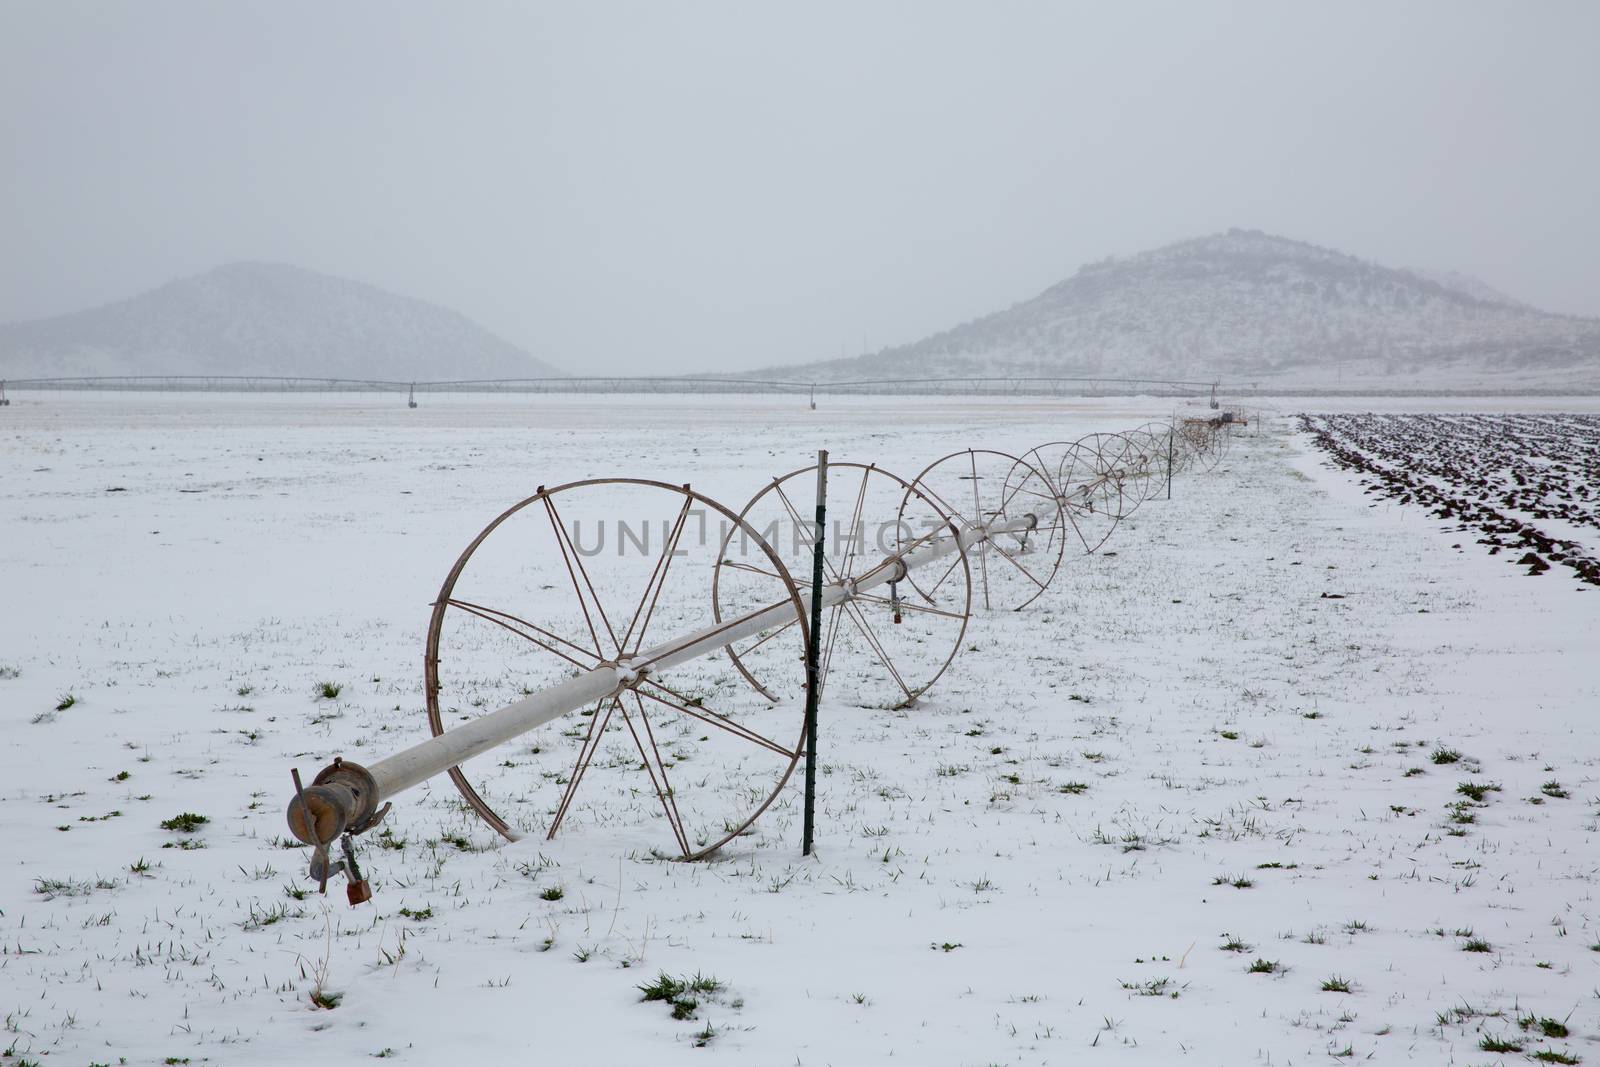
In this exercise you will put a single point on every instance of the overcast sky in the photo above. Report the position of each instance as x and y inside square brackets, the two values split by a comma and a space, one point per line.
[661, 187]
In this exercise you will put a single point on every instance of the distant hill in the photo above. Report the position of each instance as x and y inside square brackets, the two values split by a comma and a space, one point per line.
[1245, 306]
[1467, 285]
[266, 319]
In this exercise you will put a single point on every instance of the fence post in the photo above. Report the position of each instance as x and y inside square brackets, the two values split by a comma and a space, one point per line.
[814, 655]
[1170, 431]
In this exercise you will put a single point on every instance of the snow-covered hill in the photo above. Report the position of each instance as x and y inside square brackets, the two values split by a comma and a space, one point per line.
[265, 319]
[1247, 306]
[1467, 285]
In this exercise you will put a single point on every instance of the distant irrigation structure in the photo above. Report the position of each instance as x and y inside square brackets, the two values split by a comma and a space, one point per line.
[618, 384]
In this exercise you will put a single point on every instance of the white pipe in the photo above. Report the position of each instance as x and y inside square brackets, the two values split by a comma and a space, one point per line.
[455, 746]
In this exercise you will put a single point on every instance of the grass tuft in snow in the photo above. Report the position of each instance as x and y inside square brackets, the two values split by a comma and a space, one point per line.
[681, 994]
[50, 888]
[1155, 987]
[1495, 1044]
[326, 999]
[260, 918]
[1546, 1026]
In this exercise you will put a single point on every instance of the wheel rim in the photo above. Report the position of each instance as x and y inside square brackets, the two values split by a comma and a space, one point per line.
[902, 660]
[977, 487]
[593, 620]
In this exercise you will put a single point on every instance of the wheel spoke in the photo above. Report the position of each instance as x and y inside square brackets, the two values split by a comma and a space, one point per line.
[827, 648]
[1008, 558]
[909, 605]
[654, 765]
[877, 650]
[1030, 492]
[800, 523]
[935, 498]
[1071, 514]
[983, 568]
[1005, 499]
[510, 622]
[1061, 527]
[681, 703]
[749, 567]
[770, 635]
[586, 751]
[928, 596]
[938, 528]
[657, 581]
[977, 508]
[570, 556]
[977, 516]
[855, 520]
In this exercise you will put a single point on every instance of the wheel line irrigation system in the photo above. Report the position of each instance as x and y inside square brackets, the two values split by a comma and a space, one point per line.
[988, 516]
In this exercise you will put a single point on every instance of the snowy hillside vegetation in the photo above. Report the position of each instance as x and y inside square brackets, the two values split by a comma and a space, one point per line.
[264, 319]
[1246, 306]
[1467, 285]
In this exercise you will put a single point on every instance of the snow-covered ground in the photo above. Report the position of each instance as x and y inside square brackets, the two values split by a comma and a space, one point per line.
[1250, 687]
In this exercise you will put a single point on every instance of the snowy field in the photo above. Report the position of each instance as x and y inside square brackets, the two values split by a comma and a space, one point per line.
[1279, 777]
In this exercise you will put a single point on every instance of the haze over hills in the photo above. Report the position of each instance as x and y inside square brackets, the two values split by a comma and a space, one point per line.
[264, 319]
[1242, 306]
[1245, 306]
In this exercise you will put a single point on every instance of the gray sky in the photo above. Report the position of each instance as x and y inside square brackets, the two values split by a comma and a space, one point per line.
[663, 187]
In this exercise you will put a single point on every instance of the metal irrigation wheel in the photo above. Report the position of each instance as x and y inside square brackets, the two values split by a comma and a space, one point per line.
[522, 609]
[1143, 464]
[1205, 442]
[893, 641]
[1152, 439]
[979, 488]
[1222, 443]
[1089, 482]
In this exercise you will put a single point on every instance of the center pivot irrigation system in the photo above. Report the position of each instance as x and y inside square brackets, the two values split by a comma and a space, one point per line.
[715, 719]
